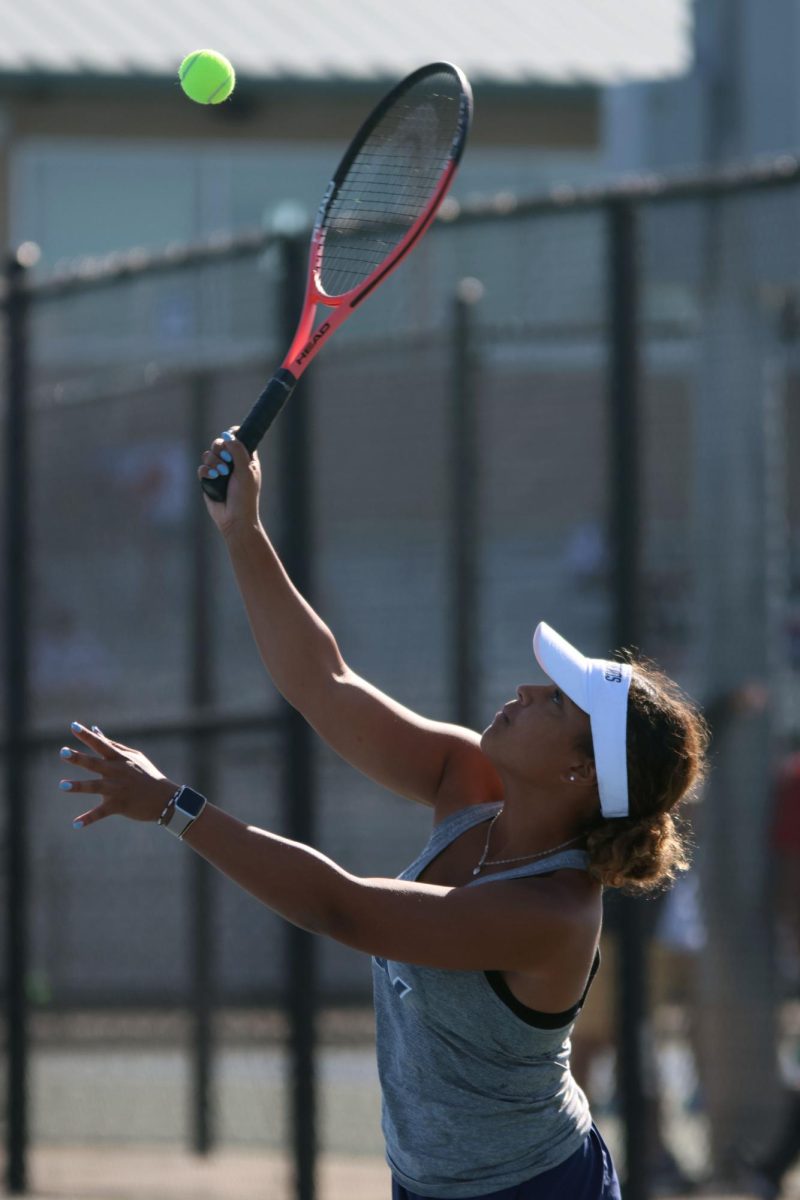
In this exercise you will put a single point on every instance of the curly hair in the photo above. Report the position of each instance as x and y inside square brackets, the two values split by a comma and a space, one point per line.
[667, 745]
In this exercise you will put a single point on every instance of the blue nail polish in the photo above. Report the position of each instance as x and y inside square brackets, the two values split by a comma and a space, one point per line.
[77, 824]
[227, 436]
[66, 752]
[223, 470]
[75, 726]
[227, 456]
[213, 475]
[65, 785]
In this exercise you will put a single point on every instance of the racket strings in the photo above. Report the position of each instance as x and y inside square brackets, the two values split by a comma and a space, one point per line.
[390, 183]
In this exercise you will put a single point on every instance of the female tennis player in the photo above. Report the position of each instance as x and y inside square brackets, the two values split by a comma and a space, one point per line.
[484, 948]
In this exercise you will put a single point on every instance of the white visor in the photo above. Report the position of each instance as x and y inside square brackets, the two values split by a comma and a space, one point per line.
[600, 688]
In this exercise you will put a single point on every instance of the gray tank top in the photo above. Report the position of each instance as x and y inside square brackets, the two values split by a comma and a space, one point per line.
[474, 1099]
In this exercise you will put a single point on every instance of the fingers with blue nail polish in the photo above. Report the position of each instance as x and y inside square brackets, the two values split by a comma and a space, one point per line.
[225, 456]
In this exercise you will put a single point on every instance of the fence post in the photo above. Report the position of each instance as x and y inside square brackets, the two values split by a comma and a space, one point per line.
[465, 505]
[296, 506]
[203, 758]
[16, 704]
[625, 547]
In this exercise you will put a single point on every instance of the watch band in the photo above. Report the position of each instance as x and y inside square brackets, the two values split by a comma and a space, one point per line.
[182, 810]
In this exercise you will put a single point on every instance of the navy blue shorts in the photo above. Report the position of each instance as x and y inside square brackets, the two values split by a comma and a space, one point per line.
[588, 1174]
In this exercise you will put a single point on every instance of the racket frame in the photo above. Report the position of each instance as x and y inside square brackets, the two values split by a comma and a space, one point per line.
[306, 344]
[308, 340]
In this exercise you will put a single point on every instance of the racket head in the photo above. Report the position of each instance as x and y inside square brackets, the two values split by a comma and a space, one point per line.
[390, 182]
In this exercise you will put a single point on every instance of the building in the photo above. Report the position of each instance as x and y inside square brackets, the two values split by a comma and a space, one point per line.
[99, 150]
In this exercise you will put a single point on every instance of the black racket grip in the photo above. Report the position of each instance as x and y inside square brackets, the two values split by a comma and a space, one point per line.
[255, 425]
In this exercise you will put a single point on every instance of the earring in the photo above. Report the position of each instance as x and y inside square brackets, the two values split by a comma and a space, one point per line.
[572, 778]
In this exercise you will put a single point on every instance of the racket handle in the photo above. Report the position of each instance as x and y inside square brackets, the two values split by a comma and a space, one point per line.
[256, 424]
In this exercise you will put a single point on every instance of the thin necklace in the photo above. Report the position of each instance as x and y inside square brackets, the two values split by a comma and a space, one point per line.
[500, 861]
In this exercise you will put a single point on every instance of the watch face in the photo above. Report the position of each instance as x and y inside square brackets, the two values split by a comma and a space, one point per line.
[190, 802]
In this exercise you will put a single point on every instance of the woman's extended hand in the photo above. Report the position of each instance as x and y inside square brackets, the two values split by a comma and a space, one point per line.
[131, 786]
[227, 456]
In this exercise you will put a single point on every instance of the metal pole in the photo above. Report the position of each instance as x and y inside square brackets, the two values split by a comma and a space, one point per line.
[203, 758]
[16, 703]
[625, 543]
[465, 504]
[297, 511]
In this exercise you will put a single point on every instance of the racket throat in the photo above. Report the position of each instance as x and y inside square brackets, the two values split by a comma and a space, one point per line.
[305, 352]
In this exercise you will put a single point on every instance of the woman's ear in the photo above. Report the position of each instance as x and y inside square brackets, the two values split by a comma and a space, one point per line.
[582, 771]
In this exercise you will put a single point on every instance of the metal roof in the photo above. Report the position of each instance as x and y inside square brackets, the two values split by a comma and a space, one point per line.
[498, 41]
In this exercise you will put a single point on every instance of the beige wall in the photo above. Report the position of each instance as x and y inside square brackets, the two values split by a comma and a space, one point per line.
[552, 119]
[561, 120]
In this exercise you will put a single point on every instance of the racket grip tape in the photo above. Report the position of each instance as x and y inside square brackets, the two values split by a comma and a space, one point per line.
[256, 424]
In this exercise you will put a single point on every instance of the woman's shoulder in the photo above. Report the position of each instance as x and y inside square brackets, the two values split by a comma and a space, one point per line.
[469, 781]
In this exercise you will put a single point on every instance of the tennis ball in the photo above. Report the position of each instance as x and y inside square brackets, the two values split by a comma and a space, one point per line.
[207, 77]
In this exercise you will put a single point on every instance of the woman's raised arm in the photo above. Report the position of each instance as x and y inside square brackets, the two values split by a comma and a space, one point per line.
[397, 748]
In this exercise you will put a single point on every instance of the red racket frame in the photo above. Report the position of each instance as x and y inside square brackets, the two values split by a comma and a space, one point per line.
[308, 339]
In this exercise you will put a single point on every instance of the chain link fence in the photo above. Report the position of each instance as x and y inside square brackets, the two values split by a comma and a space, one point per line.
[454, 468]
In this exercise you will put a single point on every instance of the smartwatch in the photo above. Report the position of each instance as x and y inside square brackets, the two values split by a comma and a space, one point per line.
[182, 811]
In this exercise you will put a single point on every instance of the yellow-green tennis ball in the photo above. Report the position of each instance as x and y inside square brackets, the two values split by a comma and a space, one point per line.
[207, 77]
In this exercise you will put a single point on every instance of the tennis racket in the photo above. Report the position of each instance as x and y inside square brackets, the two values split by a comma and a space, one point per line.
[383, 197]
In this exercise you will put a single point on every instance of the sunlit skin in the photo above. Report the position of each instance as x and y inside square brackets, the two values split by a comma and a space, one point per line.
[549, 786]
[532, 745]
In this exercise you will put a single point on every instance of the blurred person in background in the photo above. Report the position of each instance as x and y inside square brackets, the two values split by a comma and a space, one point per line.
[68, 658]
[764, 1170]
[670, 931]
[675, 935]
